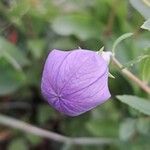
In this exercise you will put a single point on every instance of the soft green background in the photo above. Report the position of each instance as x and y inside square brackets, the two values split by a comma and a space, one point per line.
[29, 29]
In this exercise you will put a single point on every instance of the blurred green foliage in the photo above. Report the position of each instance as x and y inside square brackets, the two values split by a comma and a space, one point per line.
[30, 28]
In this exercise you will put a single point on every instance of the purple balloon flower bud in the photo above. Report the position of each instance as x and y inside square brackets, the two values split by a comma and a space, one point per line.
[76, 81]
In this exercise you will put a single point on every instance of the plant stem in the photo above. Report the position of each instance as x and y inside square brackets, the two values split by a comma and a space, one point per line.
[14, 105]
[131, 76]
[28, 128]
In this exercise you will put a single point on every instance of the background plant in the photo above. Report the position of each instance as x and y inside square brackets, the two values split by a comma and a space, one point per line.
[30, 28]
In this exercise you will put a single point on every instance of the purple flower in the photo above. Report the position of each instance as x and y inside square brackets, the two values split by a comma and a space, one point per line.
[76, 81]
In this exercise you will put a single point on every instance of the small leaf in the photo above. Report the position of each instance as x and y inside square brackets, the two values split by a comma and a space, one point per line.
[63, 43]
[146, 25]
[66, 146]
[18, 144]
[138, 103]
[15, 55]
[136, 60]
[121, 38]
[33, 139]
[19, 8]
[80, 25]
[143, 126]
[145, 69]
[111, 76]
[143, 6]
[10, 79]
[101, 50]
[45, 113]
[103, 127]
[12, 61]
[127, 129]
[36, 47]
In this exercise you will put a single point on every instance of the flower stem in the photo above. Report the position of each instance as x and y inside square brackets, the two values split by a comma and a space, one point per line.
[28, 128]
[131, 76]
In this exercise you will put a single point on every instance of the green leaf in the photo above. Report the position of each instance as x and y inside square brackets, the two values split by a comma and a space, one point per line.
[10, 79]
[66, 146]
[12, 61]
[16, 11]
[127, 129]
[120, 39]
[18, 144]
[19, 8]
[12, 53]
[103, 127]
[101, 49]
[145, 69]
[75, 127]
[146, 25]
[64, 44]
[136, 60]
[143, 6]
[45, 113]
[143, 126]
[111, 76]
[138, 103]
[33, 139]
[80, 25]
[36, 47]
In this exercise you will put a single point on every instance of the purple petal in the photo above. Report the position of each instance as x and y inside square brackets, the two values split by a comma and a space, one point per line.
[76, 81]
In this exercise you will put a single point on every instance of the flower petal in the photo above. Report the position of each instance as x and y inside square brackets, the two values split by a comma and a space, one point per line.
[76, 81]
